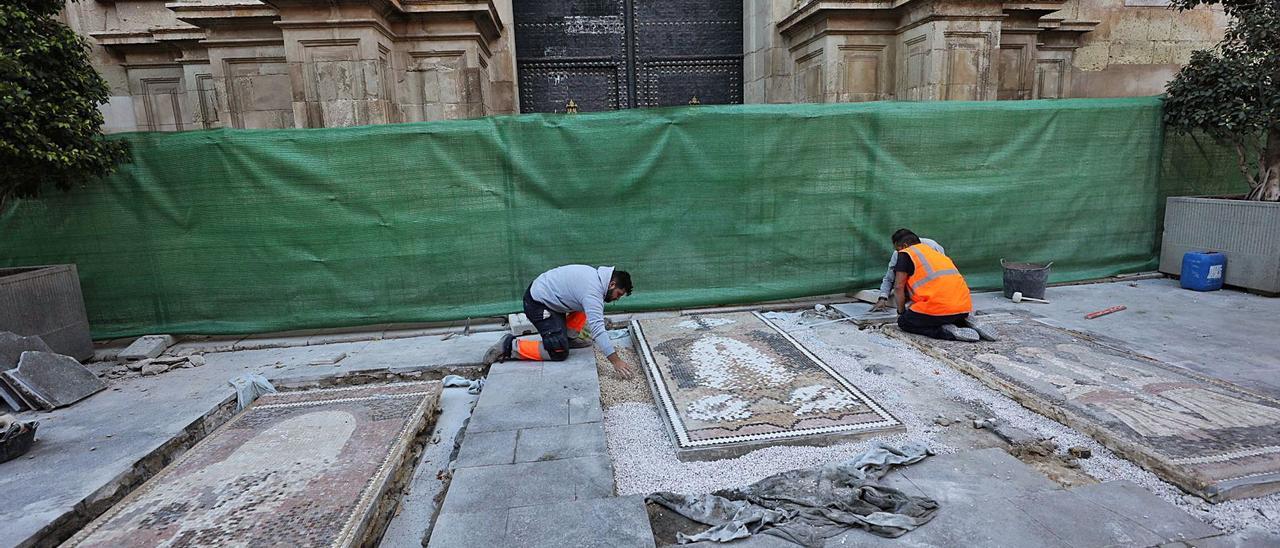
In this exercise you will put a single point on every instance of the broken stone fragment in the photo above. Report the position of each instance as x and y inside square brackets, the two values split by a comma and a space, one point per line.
[171, 360]
[52, 380]
[13, 345]
[138, 365]
[148, 346]
[941, 420]
[1080, 452]
[196, 360]
[155, 368]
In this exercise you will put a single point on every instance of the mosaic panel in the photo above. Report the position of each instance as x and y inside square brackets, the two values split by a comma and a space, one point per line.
[729, 383]
[1208, 436]
[294, 469]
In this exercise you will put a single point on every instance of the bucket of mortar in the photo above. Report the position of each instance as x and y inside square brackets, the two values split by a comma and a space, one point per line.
[1027, 278]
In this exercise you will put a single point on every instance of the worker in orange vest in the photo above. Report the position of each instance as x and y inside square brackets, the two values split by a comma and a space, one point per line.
[938, 296]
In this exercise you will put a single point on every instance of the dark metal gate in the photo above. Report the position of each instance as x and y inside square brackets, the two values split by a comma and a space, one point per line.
[611, 54]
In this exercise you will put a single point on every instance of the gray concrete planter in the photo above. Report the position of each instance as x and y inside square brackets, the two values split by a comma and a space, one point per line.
[1248, 232]
[46, 301]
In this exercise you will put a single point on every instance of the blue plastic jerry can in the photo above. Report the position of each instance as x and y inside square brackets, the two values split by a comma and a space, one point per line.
[1203, 270]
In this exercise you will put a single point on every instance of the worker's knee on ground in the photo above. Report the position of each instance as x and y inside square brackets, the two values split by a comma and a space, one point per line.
[557, 346]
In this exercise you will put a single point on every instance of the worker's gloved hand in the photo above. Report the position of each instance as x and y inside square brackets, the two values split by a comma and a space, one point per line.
[882, 304]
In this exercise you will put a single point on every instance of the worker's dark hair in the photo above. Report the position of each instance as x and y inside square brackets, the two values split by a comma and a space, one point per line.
[906, 237]
[622, 279]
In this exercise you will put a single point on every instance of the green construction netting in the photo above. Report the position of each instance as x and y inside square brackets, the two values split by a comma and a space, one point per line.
[237, 231]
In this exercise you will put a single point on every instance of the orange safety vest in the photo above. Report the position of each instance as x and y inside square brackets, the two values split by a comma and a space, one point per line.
[936, 287]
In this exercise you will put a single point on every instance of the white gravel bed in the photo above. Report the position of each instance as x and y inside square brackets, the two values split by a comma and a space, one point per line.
[644, 460]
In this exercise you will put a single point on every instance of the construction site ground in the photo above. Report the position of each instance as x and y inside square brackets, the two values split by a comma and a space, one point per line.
[549, 453]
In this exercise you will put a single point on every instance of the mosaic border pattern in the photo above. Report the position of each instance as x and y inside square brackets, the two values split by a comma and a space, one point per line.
[676, 427]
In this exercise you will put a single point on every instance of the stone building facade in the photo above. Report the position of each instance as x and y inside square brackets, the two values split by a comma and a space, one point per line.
[198, 64]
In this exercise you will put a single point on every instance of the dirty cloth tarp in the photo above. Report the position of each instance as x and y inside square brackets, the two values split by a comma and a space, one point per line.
[248, 231]
[249, 387]
[458, 381]
[810, 505]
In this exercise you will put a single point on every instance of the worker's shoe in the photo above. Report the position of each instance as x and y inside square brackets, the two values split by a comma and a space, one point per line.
[499, 352]
[961, 333]
[985, 332]
[580, 341]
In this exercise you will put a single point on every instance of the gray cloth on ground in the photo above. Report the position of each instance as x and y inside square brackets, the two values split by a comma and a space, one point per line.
[458, 381]
[811, 505]
[248, 387]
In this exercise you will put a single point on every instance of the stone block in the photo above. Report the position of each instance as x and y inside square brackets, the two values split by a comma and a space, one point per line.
[147, 346]
[520, 325]
[1127, 499]
[494, 417]
[486, 448]
[529, 484]
[13, 345]
[484, 529]
[610, 522]
[52, 380]
[585, 410]
[974, 476]
[1063, 513]
[559, 442]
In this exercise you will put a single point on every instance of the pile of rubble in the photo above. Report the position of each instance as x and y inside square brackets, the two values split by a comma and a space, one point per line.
[145, 356]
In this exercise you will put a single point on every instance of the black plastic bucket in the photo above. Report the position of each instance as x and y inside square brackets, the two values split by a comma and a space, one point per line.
[1029, 279]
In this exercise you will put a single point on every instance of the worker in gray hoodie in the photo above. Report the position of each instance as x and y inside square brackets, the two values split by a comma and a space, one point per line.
[561, 303]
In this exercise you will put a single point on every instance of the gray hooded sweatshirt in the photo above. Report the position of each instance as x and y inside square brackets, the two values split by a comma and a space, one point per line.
[577, 288]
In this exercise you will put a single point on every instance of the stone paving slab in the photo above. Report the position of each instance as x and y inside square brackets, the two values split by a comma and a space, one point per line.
[515, 416]
[52, 380]
[560, 442]
[482, 529]
[1139, 505]
[295, 468]
[1079, 523]
[974, 476]
[726, 384]
[1207, 436]
[487, 449]
[528, 484]
[619, 522]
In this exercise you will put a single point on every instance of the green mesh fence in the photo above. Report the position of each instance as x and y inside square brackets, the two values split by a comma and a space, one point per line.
[237, 231]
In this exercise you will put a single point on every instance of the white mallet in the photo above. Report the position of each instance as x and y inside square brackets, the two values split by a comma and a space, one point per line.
[1017, 298]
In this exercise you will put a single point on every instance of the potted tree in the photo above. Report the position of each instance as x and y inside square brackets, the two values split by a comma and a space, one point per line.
[1232, 94]
[50, 137]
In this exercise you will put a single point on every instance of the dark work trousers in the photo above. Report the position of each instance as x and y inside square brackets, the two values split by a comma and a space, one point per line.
[550, 326]
[930, 326]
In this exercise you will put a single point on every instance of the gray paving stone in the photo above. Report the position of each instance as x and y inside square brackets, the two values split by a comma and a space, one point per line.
[529, 484]
[53, 379]
[560, 442]
[13, 345]
[514, 416]
[1241, 539]
[1152, 512]
[467, 530]
[585, 410]
[995, 523]
[486, 449]
[973, 476]
[1083, 524]
[607, 522]
[147, 346]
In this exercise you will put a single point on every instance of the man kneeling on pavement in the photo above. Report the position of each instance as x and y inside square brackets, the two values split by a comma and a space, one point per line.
[560, 303]
[938, 295]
